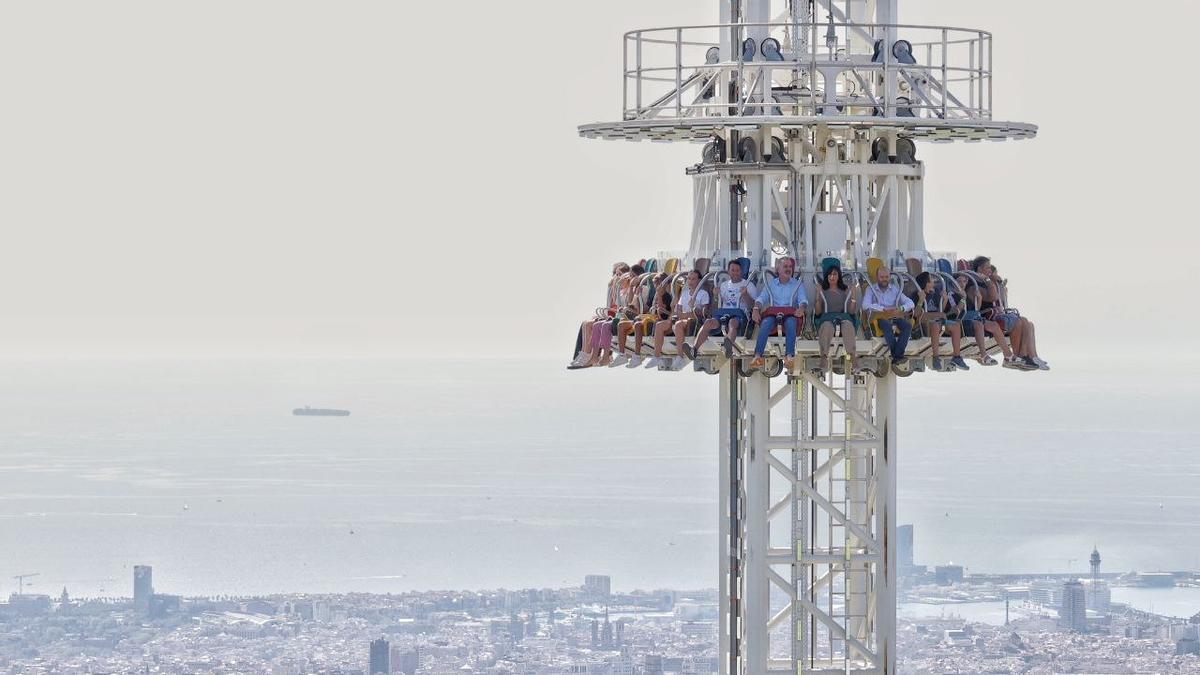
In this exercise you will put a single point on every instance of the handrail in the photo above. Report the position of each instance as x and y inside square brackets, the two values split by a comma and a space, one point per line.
[953, 82]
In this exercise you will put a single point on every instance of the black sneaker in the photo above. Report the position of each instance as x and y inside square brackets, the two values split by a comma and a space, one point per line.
[900, 360]
[937, 364]
[959, 363]
[1027, 363]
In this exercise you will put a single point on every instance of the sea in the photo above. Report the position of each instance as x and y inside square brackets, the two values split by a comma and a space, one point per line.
[472, 474]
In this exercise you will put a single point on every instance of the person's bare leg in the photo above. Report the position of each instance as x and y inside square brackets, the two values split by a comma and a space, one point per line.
[1016, 338]
[1028, 349]
[980, 338]
[955, 339]
[623, 330]
[639, 335]
[586, 354]
[708, 327]
[1031, 338]
[935, 337]
[998, 333]
[660, 335]
[680, 330]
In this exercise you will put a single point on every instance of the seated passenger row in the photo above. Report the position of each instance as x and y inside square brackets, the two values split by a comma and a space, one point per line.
[971, 302]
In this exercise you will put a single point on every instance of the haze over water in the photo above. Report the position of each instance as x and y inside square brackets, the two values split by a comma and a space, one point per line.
[461, 474]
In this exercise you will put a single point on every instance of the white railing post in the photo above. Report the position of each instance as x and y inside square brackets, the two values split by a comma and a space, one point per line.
[945, 79]
[989, 77]
[971, 81]
[639, 73]
[679, 72]
[625, 77]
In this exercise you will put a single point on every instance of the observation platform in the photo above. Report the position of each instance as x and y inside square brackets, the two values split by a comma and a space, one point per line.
[929, 82]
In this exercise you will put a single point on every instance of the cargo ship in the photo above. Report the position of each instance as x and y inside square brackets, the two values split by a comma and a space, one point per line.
[320, 412]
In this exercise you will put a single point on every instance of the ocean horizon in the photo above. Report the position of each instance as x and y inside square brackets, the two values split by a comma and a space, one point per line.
[493, 473]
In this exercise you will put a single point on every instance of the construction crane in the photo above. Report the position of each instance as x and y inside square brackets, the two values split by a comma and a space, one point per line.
[811, 115]
[21, 581]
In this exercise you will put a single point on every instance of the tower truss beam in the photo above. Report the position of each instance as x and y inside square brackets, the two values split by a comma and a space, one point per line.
[809, 521]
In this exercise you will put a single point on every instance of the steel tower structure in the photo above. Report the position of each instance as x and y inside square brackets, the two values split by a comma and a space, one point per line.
[810, 110]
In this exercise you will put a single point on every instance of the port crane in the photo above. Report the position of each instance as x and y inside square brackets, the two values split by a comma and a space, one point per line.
[21, 583]
[811, 114]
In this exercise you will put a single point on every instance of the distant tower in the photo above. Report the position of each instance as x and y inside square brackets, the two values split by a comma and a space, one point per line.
[381, 658]
[1072, 613]
[606, 634]
[143, 587]
[904, 557]
[1095, 560]
[597, 587]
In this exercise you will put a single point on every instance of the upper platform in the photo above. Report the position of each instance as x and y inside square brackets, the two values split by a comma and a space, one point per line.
[686, 82]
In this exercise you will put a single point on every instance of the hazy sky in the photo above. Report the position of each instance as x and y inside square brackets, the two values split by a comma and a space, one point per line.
[299, 177]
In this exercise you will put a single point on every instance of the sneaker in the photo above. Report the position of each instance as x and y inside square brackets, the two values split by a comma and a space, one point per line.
[899, 361]
[634, 362]
[1028, 363]
[937, 364]
[756, 363]
[688, 351]
[581, 361]
[654, 362]
[987, 360]
[678, 363]
[619, 360]
[959, 363]
[822, 366]
[1042, 365]
[1014, 364]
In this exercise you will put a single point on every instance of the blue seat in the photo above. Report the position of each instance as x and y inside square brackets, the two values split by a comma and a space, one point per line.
[770, 50]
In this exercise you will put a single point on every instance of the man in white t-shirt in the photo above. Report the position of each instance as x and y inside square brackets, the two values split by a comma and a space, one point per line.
[691, 306]
[735, 297]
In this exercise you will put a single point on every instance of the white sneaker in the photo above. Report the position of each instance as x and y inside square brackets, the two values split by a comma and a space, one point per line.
[653, 363]
[634, 362]
[679, 363]
[619, 360]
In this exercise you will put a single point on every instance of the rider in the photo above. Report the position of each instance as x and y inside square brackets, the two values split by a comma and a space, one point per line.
[934, 314]
[836, 307]
[735, 295]
[886, 303]
[693, 301]
[781, 297]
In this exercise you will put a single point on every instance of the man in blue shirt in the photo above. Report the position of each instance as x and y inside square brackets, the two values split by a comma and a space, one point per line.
[885, 303]
[783, 297]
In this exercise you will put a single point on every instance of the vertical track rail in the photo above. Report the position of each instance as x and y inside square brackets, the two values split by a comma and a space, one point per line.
[825, 484]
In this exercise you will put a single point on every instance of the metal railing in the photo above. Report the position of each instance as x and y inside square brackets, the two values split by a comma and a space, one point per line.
[831, 69]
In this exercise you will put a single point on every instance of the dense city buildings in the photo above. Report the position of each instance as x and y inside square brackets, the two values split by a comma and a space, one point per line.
[550, 632]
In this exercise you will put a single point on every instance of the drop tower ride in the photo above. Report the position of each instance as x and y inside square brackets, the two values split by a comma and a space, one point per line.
[810, 111]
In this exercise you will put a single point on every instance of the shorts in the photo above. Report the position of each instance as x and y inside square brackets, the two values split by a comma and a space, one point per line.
[646, 321]
[1007, 321]
[722, 316]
